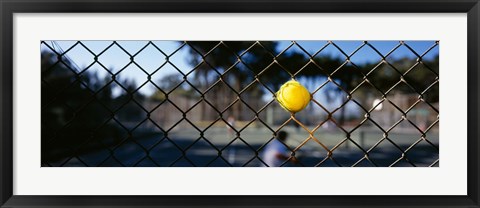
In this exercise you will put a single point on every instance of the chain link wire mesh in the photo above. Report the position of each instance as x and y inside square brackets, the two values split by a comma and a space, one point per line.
[111, 136]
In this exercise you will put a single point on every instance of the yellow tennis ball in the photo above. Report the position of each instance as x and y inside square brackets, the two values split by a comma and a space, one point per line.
[293, 96]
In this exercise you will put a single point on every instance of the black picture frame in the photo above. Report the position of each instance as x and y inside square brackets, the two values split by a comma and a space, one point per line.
[9, 7]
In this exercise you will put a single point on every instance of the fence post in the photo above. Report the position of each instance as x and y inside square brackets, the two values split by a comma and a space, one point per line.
[270, 116]
[362, 138]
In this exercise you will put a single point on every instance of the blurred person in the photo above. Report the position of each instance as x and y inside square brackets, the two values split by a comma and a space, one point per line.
[230, 125]
[276, 152]
[231, 132]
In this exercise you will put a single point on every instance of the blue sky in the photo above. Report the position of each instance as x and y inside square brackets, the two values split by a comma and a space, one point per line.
[151, 59]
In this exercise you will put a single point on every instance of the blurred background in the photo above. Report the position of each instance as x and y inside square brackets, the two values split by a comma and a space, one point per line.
[212, 104]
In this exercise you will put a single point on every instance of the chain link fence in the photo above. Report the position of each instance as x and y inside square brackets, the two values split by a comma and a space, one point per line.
[204, 103]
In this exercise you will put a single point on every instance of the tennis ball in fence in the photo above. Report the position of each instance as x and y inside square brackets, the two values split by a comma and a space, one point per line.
[293, 96]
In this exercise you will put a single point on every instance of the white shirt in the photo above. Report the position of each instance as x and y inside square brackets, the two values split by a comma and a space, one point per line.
[271, 151]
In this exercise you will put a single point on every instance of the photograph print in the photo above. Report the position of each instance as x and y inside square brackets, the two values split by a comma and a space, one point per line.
[280, 103]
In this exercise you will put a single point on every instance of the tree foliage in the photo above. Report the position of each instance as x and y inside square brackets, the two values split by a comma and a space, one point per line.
[77, 107]
[244, 61]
